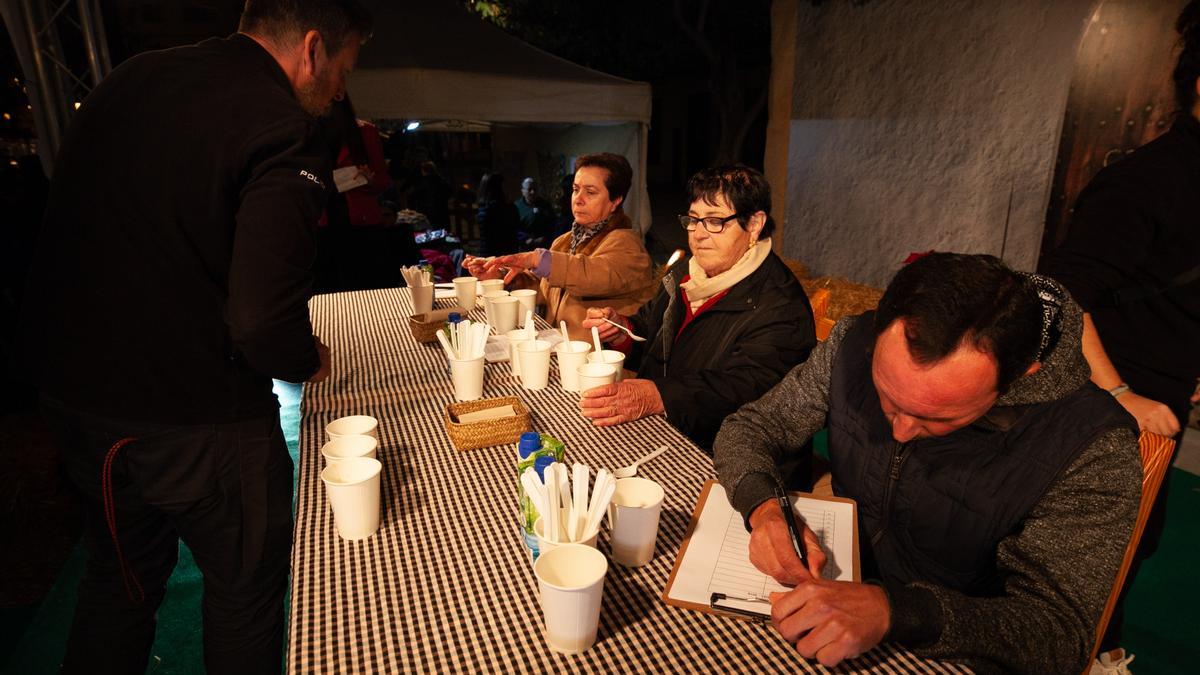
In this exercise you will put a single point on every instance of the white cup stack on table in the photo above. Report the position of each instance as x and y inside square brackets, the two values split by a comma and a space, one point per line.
[465, 290]
[504, 312]
[346, 447]
[610, 356]
[571, 355]
[535, 363]
[464, 350]
[352, 425]
[633, 516]
[528, 299]
[592, 375]
[352, 486]
[571, 586]
[420, 284]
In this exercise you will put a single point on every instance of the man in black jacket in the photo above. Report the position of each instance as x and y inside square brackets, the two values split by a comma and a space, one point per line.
[170, 285]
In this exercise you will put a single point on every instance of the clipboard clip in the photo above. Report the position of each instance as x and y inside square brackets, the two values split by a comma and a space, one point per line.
[721, 602]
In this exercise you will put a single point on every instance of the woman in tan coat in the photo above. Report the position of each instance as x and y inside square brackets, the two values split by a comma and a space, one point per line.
[601, 262]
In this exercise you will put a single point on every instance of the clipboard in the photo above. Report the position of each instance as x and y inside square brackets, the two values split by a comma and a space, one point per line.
[686, 587]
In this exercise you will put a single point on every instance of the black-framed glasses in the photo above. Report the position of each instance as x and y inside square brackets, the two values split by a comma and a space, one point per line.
[713, 224]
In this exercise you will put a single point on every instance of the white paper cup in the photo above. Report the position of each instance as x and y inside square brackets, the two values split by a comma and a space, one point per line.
[633, 517]
[592, 375]
[465, 290]
[535, 364]
[571, 355]
[545, 545]
[571, 586]
[612, 356]
[345, 447]
[515, 337]
[422, 299]
[467, 375]
[488, 285]
[352, 425]
[504, 314]
[528, 299]
[353, 488]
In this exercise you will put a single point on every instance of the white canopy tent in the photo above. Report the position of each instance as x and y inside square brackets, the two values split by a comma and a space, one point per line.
[431, 59]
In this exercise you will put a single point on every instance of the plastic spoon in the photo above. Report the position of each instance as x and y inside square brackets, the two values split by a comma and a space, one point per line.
[631, 470]
[623, 329]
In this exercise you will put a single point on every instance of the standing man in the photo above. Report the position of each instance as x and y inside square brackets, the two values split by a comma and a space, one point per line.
[170, 285]
[536, 215]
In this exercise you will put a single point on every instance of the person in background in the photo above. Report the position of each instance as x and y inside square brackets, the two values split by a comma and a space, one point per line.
[726, 324]
[1132, 261]
[536, 215]
[357, 250]
[153, 339]
[600, 262]
[996, 486]
[497, 217]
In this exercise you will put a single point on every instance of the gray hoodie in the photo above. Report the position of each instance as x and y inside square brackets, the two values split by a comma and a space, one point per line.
[1058, 568]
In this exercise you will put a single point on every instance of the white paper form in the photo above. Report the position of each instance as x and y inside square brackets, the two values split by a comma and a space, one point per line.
[717, 558]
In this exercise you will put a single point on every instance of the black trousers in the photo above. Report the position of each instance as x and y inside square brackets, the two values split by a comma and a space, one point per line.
[225, 490]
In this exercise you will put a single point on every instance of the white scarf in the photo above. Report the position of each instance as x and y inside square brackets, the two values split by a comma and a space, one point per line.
[700, 287]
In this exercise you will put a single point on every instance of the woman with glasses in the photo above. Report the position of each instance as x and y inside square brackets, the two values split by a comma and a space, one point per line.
[600, 262]
[726, 325]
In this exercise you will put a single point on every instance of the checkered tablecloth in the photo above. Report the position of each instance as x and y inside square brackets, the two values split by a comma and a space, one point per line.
[446, 584]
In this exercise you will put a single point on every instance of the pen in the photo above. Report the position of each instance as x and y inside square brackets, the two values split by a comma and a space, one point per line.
[793, 528]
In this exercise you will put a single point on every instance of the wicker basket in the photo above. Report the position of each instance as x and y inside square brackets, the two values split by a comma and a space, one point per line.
[424, 327]
[485, 434]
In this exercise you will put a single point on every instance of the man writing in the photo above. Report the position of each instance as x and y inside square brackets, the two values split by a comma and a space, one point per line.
[996, 486]
[170, 285]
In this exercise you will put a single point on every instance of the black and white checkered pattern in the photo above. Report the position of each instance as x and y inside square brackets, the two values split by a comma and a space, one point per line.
[446, 583]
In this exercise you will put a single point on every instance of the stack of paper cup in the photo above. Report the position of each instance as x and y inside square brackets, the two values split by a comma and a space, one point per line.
[610, 356]
[353, 488]
[504, 313]
[345, 447]
[535, 363]
[592, 375]
[352, 425]
[515, 337]
[465, 290]
[571, 586]
[633, 516]
[571, 355]
[467, 375]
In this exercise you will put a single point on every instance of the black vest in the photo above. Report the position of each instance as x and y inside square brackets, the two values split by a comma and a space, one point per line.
[935, 509]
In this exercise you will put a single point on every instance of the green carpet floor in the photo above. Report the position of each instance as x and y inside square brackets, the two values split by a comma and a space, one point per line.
[1160, 628]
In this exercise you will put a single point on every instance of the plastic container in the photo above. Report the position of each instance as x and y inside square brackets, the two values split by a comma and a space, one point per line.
[537, 451]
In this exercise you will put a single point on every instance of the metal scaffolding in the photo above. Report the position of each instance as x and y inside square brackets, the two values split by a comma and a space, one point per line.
[63, 52]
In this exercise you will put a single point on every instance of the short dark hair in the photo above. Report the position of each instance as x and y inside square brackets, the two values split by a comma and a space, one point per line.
[1187, 68]
[491, 188]
[283, 21]
[947, 299]
[746, 190]
[620, 174]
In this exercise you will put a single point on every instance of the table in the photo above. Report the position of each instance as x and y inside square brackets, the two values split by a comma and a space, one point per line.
[446, 583]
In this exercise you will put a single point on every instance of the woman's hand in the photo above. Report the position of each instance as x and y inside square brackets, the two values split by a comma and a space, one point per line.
[512, 265]
[608, 332]
[624, 401]
[478, 268]
[1150, 414]
[366, 172]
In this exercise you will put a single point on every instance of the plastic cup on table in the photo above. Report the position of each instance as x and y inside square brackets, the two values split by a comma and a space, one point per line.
[633, 516]
[353, 489]
[592, 375]
[535, 363]
[515, 337]
[489, 285]
[528, 299]
[465, 290]
[422, 298]
[610, 356]
[352, 425]
[571, 355]
[571, 585]
[467, 375]
[346, 447]
[504, 313]
[545, 545]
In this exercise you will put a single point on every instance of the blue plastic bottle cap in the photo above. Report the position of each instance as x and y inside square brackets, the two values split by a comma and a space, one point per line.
[455, 317]
[540, 464]
[530, 442]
